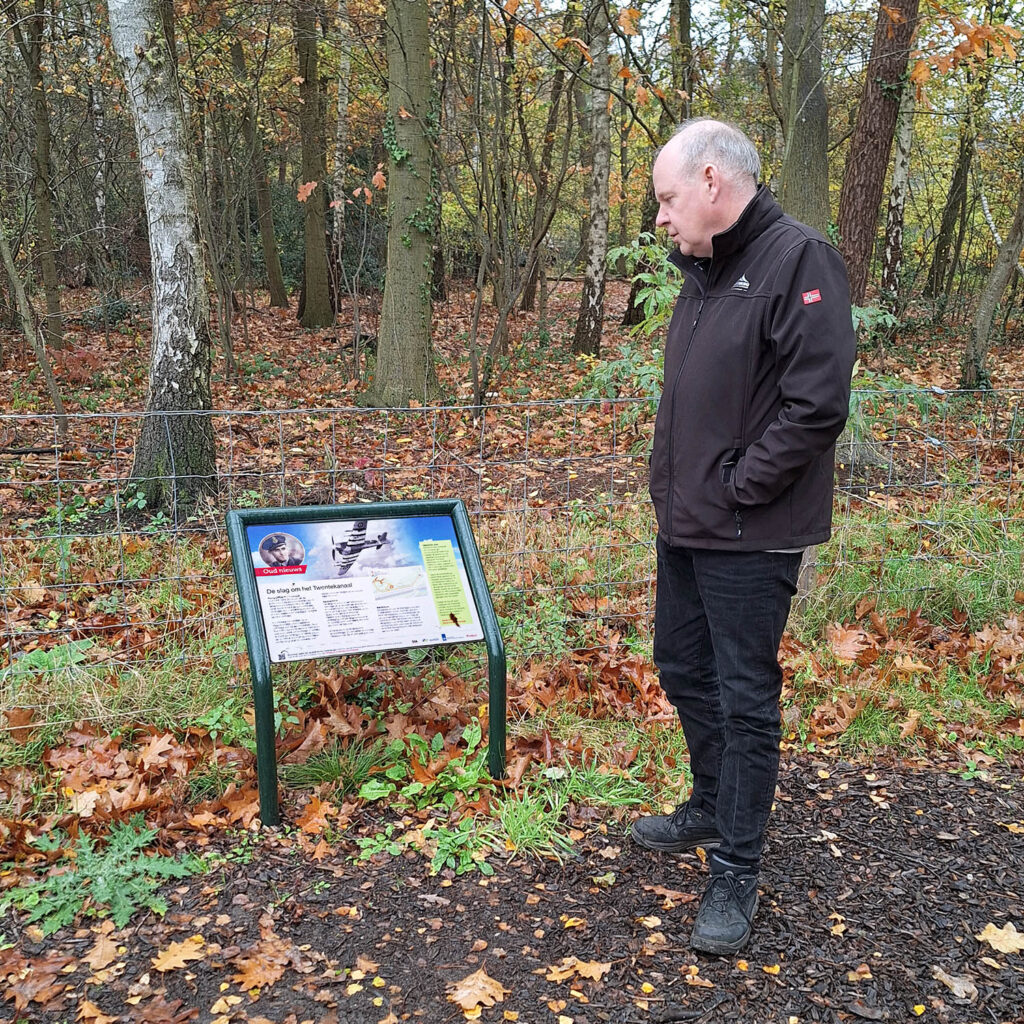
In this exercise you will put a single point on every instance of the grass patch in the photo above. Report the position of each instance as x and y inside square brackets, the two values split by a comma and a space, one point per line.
[345, 768]
[958, 558]
[532, 822]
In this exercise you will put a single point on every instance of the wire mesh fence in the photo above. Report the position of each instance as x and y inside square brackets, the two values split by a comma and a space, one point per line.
[108, 606]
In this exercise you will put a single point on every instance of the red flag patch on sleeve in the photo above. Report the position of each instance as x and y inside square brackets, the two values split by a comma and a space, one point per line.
[812, 296]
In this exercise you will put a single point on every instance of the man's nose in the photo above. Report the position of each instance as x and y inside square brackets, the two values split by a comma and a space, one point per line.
[661, 220]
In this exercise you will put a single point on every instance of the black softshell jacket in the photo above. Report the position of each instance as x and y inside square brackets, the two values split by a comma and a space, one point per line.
[758, 361]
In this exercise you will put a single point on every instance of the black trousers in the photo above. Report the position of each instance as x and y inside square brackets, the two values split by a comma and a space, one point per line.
[719, 618]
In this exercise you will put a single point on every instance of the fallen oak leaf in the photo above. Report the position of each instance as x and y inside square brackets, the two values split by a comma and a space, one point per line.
[1006, 939]
[103, 954]
[90, 1012]
[178, 954]
[593, 969]
[476, 990]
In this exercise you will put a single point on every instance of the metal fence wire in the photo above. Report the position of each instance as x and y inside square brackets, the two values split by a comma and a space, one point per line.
[102, 599]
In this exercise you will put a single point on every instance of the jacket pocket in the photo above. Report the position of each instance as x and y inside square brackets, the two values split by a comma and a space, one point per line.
[728, 465]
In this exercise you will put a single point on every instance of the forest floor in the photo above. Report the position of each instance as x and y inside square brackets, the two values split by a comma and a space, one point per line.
[887, 894]
[279, 365]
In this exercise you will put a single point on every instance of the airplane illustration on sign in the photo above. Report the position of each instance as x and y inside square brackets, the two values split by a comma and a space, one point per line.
[345, 552]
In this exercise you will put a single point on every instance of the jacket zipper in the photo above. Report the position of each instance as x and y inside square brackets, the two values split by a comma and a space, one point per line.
[675, 381]
[739, 522]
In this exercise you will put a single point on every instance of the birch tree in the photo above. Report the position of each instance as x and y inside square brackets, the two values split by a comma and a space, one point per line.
[175, 459]
[591, 316]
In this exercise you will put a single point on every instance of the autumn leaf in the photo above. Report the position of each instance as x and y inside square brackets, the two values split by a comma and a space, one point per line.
[314, 819]
[571, 966]
[847, 643]
[628, 19]
[178, 954]
[306, 190]
[19, 720]
[565, 41]
[1006, 939]
[379, 180]
[258, 971]
[592, 969]
[152, 753]
[91, 1013]
[102, 954]
[906, 665]
[475, 990]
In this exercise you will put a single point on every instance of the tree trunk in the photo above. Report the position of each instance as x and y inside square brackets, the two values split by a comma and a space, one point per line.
[31, 47]
[94, 48]
[973, 372]
[868, 157]
[587, 338]
[344, 47]
[546, 196]
[892, 262]
[175, 459]
[261, 187]
[681, 27]
[315, 303]
[950, 215]
[28, 328]
[803, 185]
[405, 357]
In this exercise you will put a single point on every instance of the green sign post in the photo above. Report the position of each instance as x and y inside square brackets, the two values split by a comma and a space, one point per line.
[331, 580]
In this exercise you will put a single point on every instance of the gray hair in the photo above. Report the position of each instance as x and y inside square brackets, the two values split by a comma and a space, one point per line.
[720, 143]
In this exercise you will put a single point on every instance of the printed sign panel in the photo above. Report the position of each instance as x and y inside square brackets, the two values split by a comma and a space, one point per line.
[361, 585]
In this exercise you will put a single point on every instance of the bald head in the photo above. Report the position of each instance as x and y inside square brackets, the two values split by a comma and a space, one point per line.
[702, 140]
[704, 177]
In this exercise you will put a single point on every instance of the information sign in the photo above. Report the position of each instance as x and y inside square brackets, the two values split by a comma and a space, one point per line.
[347, 587]
[331, 580]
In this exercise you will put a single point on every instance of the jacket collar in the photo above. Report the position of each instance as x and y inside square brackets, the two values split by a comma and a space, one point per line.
[757, 215]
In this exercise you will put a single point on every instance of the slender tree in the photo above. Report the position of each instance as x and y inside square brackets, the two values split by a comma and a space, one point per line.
[973, 371]
[30, 36]
[892, 258]
[871, 144]
[261, 187]
[591, 314]
[175, 458]
[315, 308]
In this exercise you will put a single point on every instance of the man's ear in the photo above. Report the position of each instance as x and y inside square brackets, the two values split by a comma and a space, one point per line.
[712, 181]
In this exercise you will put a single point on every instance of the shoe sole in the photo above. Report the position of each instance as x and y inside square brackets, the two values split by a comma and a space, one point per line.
[725, 948]
[650, 844]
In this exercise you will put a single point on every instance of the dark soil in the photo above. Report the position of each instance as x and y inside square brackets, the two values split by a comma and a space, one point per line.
[873, 877]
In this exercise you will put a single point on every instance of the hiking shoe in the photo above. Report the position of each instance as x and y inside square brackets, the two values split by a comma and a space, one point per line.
[685, 828]
[726, 914]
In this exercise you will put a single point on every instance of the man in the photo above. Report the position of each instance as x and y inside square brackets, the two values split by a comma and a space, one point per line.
[276, 551]
[758, 361]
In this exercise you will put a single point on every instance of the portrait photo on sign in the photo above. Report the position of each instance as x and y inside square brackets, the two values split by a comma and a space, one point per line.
[280, 548]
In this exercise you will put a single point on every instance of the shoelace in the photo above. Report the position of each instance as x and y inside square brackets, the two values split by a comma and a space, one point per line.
[726, 888]
[679, 815]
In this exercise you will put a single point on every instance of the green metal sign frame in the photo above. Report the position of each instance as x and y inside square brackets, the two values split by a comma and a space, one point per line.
[256, 638]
